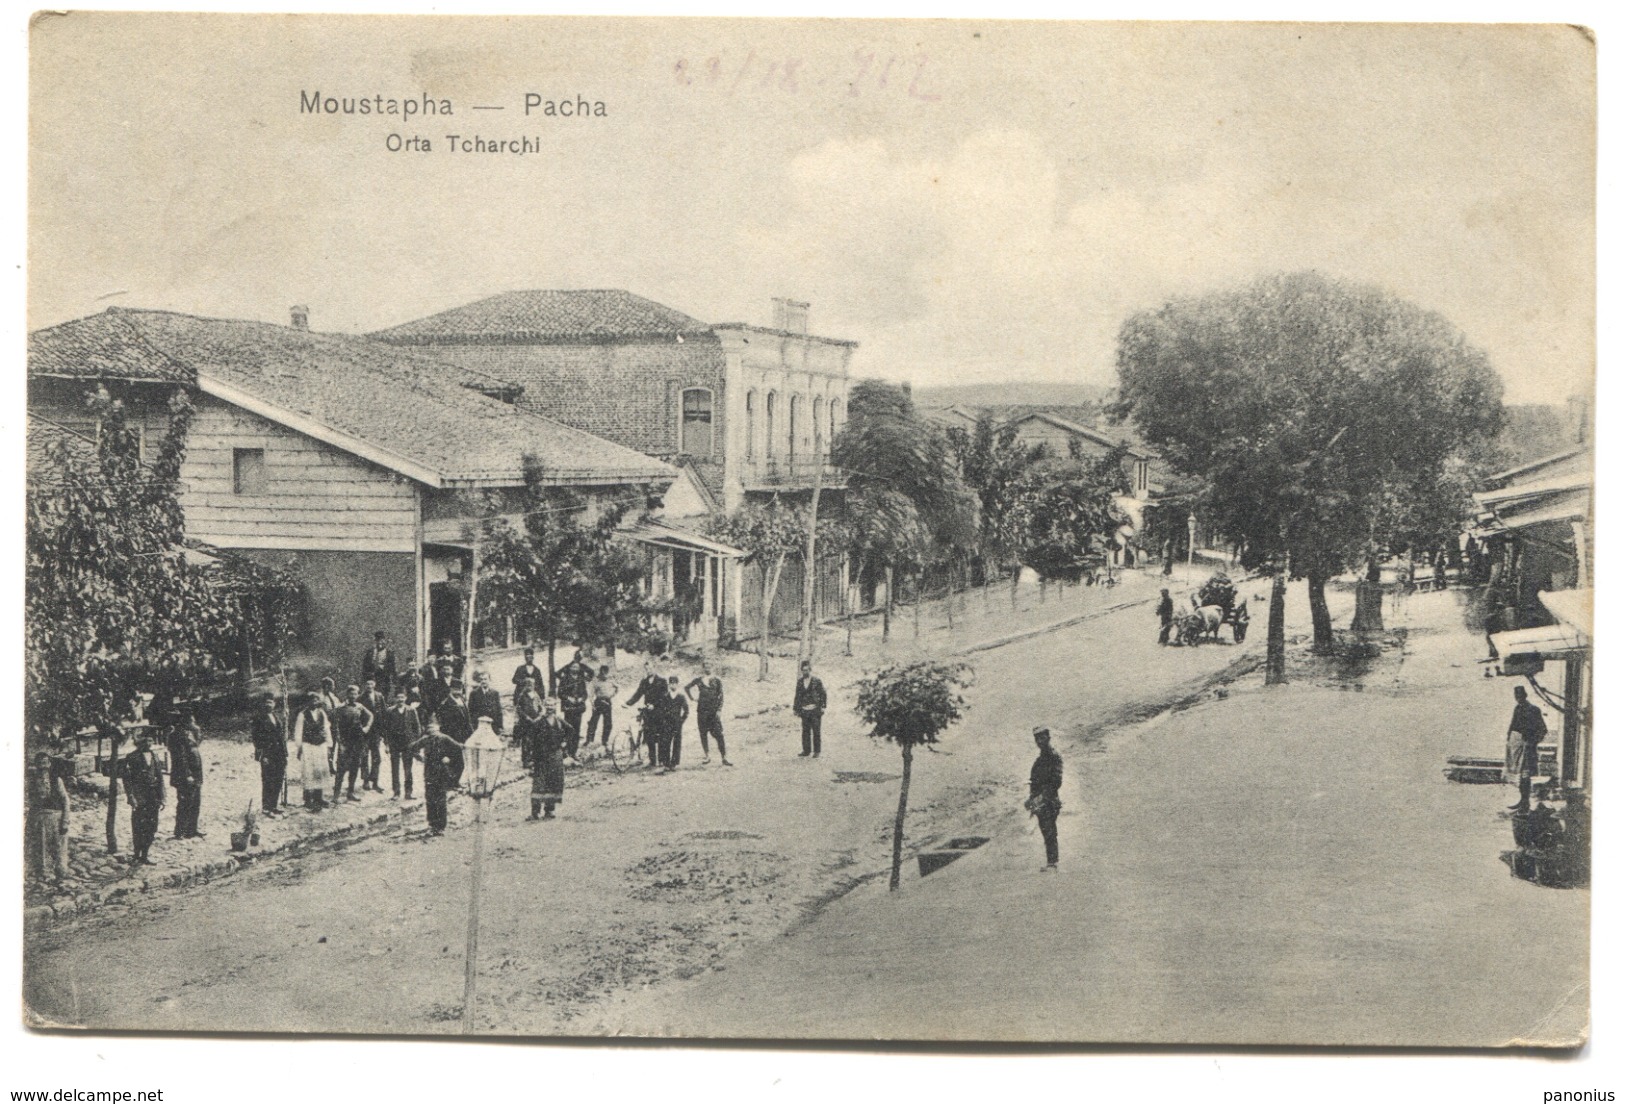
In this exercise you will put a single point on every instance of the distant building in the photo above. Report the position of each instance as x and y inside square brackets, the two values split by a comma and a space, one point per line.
[749, 409]
[1061, 435]
[341, 460]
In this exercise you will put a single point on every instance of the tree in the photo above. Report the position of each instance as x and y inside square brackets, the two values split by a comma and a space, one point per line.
[559, 579]
[991, 463]
[911, 705]
[769, 534]
[1305, 404]
[113, 604]
[884, 531]
[1065, 509]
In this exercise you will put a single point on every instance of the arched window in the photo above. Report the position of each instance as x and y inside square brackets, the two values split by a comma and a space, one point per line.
[696, 438]
[795, 416]
[767, 440]
[818, 424]
[750, 425]
[834, 412]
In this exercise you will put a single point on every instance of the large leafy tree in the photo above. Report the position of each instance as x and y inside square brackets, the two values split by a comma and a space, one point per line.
[1308, 406]
[992, 461]
[114, 606]
[911, 705]
[559, 578]
[1065, 512]
[884, 532]
[769, 533]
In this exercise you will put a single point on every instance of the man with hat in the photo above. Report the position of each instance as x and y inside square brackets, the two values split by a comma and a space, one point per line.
[528, 670]
[372, 759]
[486, 702]
[442, 766]
[546, 758]
[186, 775]
[352, 721]
[570, 687]
[271, 752]
[378, 664]
[47, 819]
[1044, 795]
[144, 789]
[399, 727]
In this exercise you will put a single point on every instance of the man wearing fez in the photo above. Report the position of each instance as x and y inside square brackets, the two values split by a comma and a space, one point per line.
[378, 664]
[144, 789]
[1524, 734]
[570, 687]
[399, 728]
[372, 759]
[1044, 795]
[352, 721]
[271, 752]
[437, 687]
[528, 670]
[527, 714]
[546, 757]
[442, 766]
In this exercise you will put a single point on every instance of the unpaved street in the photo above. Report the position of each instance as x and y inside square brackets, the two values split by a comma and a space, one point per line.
[643, 881]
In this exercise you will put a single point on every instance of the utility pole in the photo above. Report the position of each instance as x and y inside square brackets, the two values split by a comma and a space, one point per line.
[810, 565]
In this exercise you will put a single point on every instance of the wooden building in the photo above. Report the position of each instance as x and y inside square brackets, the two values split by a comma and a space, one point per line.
[356, 466]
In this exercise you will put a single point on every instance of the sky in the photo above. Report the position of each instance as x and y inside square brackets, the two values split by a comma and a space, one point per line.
[971, 201]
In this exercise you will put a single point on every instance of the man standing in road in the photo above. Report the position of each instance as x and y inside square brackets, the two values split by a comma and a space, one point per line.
[271, 752]
[528, 670]
[570, 687]
[1524, 734]
[486, 702]
[442, 766]
[652, 693]
[47, 820]
[399, 728]
[546, 758]
[1165, 614]
[375, 703]
[352, 722]
[144, 789]
[810, 703]
[527, 714]
[313, 736]
[378, 664]
[603, 705]
[672, 726]
[186, 775]
[1044, 795]
[706, 690]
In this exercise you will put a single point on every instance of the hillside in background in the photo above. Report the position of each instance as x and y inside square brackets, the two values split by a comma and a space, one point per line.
[1016, 393]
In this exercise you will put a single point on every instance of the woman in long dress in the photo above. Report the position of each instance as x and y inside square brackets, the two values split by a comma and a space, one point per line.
[313, 733]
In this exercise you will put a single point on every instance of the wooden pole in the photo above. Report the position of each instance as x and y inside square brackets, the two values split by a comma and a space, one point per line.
[473, 914]
[809, 574]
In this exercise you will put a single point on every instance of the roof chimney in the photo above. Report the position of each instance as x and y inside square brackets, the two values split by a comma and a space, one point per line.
[301, 317]
[790, 315]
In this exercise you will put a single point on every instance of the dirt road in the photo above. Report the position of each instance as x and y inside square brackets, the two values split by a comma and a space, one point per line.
[644, 880]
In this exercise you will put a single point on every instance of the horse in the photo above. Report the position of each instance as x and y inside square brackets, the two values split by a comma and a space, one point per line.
[1201, 624]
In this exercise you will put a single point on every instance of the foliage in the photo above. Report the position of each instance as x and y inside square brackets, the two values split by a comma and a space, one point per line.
[764, 531]
[883, 528]
[113, 606]
[911, 704]
[560, 579]
[991, 462]
[886, 445]
[1065, 512]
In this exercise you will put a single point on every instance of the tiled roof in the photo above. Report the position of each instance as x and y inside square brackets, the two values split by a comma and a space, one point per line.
[43, 434]
[1100, 437]
[518, 316]
[400, 409]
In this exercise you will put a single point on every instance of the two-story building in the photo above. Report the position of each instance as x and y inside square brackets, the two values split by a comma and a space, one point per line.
[748, 410]
[357, 467]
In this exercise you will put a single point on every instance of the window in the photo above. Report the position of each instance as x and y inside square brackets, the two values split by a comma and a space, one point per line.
[833, 428]
[768, 443]
[750, 425]
[818, 424]
[795, 413]
[248, 471]
[696, 433]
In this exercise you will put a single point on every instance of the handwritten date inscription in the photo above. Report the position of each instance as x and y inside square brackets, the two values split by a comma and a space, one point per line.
[868, 73]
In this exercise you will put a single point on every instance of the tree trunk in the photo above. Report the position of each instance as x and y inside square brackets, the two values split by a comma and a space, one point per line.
[851, 601]
[1015, 585]
[1368, 600]
[468, 623]
[953, 593]
[112, 796]
[885, 610]
[1320, 615]
[1275, 661]
[770, 591]
[902, 811]
[918, 578]
[1043, 590]
[552, 673]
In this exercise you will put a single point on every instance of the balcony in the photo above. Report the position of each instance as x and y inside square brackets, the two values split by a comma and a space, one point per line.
[782, 474]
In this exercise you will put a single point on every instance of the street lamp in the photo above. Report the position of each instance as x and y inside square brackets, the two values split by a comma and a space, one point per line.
[484, 751]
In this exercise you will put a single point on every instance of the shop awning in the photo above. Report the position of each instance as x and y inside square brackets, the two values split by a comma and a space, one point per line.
[652, 532]
[1572, 608]
[1546, 642]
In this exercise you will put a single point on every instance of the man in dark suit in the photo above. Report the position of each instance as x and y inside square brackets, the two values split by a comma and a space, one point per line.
[437, 688]
[810, 703]
[399, 728]
[378, 664]
[485, 702]
[529, 670]
[271, 752]
[652, 693]
[186, 775]
[442, 766]
[546, 758]
[456, 722]
[570, 687]
[1044, 795]
[144, 789]
[352, 722]
[373, 760]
